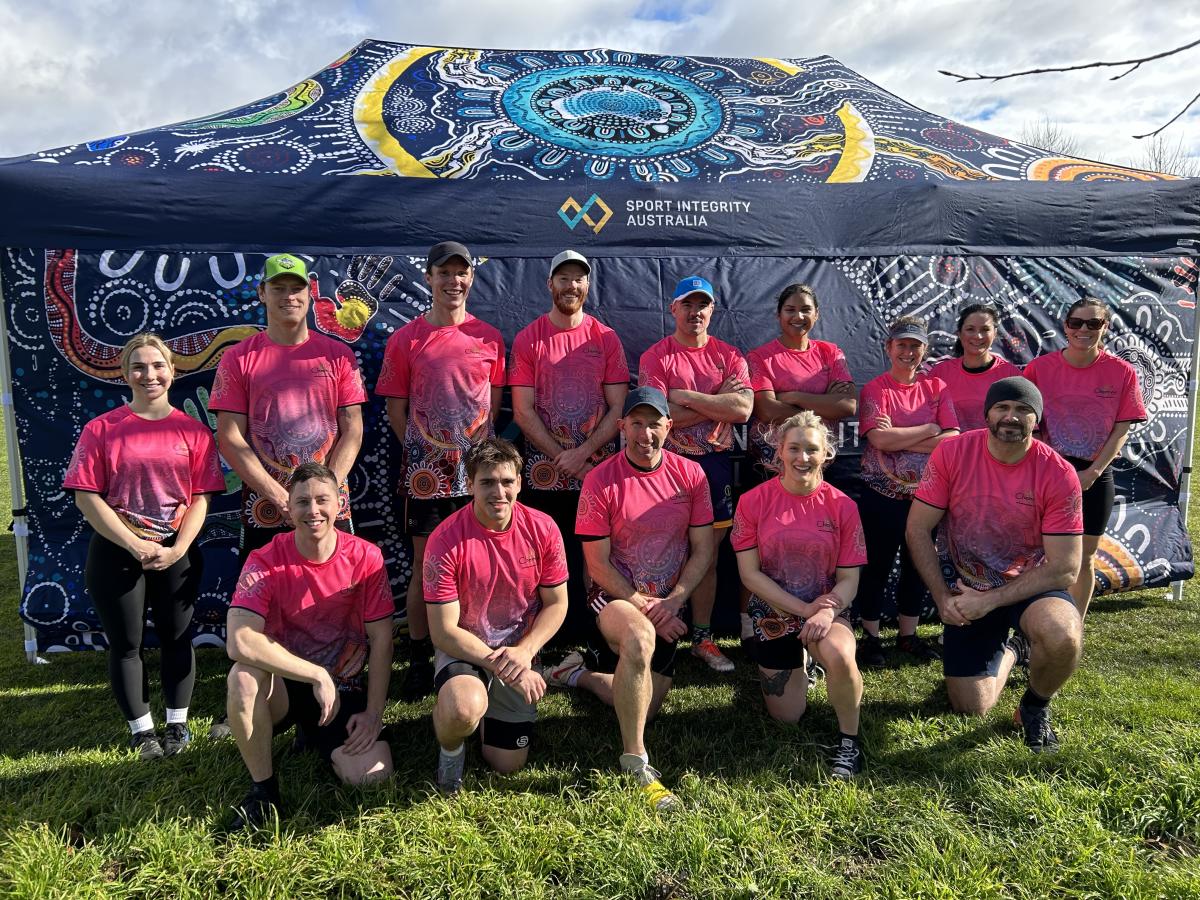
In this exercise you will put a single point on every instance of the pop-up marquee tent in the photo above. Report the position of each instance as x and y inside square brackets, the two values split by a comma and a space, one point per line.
[752, 172]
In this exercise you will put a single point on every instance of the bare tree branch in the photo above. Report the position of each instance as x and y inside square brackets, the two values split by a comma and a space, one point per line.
[1135, 62]
[1174, 119]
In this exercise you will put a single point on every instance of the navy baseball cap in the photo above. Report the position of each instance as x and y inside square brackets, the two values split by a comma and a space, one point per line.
[646, 396]
[694, 284]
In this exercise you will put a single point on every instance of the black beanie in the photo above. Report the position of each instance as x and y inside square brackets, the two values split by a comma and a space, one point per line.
[1015, 387]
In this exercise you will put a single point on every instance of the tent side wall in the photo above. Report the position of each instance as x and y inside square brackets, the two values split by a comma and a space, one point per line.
[68, 308]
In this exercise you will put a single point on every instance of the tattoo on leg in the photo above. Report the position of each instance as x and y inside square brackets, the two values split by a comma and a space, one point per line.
[774, 685]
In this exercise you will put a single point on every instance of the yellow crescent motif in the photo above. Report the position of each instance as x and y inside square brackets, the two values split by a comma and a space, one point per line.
[368, 117]
[858, 152]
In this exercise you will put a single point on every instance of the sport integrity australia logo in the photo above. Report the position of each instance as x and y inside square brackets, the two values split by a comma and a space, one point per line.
[654, 213]
[572, 213]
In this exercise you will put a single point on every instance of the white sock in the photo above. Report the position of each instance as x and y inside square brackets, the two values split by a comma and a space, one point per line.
[145, 723]
[177, 716]
[632, 761]
[457, 752]
[747, 626]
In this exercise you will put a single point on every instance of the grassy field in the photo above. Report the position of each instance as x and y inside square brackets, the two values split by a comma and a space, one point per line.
[947, 807]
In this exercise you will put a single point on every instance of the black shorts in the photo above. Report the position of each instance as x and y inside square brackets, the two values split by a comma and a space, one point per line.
[304, 713]
[422, 516]
[718, 468]
[777, 643]
[509, 722]
[976, 649]
[1098, 500]
[604, 658]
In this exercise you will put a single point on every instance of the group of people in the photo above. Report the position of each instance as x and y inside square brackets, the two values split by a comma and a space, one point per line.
[617, 509]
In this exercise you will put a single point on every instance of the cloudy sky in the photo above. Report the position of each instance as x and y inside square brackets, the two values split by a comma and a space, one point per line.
[76, 71]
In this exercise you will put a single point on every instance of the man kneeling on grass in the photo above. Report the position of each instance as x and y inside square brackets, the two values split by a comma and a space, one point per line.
[495, 577]
[1010, 512]
[310, 609]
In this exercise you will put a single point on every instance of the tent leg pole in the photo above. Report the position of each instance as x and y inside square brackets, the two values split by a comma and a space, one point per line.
[1189, 443]
[15, 479]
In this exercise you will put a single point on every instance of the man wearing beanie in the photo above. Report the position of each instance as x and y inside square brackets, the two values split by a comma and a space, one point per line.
[1010, 511]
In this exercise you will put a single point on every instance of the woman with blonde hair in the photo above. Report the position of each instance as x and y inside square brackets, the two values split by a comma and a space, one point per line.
[799, 545]
[141, 474]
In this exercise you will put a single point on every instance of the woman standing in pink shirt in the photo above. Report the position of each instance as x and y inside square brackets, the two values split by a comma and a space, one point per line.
[903, 416]
[974, 368]
[141, 476]
[1091, 400]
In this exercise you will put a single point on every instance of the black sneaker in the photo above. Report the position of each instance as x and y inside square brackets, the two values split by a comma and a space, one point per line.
[870, 652]
[176, 737]
[1019, 645]
[145, 744]
[1039, 736]
[847, 759]
[220, 729]
[418, 683]
[256, 810]
[915, 645]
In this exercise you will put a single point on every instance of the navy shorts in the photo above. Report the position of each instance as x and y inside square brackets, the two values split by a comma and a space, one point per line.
[969, 651]
[718, 468]
[304, 713]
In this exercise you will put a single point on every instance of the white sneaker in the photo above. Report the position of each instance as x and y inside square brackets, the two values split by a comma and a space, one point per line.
[560, 675]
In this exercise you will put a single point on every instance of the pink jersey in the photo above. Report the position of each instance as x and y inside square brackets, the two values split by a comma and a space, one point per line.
[568, 369]
[801, 540]
[646, 516]
[146, 470]
[290, 396]
[969, 389]
[996, 513]
[1082, 406]
[494, 575]
[318, 611]
[897, 473]
[668, 364]
[776, 368]
[447, 375]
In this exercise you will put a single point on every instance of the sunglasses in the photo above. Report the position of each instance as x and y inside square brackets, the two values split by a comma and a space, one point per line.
[1090, 324]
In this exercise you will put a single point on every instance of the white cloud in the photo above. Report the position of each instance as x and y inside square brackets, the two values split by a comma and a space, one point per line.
[74, 72]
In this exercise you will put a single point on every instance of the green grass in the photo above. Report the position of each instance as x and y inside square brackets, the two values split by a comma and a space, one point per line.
[948, 807]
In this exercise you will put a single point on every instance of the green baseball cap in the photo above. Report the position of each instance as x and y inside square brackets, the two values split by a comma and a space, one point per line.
[284, 264]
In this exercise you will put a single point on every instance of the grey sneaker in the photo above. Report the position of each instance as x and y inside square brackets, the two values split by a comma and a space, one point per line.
[660, 799]
[145, 744]
[560, 675]
[450, 771]
[813, 669]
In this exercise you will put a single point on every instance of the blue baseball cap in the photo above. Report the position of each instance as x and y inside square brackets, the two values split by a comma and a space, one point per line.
[694, 284]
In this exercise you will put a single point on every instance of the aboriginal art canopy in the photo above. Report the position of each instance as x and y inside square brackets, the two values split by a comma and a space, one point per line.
[754, 173]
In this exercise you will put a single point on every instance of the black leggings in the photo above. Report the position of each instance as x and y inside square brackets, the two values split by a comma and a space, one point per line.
[121, 591]
[884, 520]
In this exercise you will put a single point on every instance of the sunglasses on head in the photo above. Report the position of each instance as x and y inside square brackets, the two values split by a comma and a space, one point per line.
[1090, 324]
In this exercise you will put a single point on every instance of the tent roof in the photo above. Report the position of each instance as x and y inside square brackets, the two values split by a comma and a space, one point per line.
[521, 151]
[400, 109]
